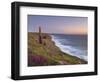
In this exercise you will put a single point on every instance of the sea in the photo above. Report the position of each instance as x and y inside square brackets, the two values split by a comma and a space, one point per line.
[75, 45]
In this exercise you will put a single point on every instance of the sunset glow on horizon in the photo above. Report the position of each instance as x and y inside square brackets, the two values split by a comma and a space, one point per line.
[77, 30]
[58, 24]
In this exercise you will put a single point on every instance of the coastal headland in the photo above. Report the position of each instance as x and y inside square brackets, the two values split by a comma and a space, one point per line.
[46, 53]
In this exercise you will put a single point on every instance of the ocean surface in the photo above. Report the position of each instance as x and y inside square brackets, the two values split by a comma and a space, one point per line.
[75, 45]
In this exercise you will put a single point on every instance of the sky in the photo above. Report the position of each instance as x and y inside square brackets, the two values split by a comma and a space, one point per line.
[58, 24]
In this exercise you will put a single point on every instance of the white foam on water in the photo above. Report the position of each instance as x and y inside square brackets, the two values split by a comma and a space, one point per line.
[70, 49]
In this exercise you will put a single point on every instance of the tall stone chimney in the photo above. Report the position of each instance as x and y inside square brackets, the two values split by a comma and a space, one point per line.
[40, 35]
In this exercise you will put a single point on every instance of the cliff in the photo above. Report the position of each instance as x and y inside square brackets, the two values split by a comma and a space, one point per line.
[47, 53]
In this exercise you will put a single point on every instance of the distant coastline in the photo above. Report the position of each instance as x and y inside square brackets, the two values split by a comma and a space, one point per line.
[48, 53]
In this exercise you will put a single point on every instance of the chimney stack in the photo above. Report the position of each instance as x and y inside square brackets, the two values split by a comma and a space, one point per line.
[40, 35]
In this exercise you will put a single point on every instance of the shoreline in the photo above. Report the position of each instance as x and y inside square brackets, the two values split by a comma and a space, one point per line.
[58, 44]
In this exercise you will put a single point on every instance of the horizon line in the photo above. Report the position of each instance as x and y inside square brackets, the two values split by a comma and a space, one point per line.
[59, 33]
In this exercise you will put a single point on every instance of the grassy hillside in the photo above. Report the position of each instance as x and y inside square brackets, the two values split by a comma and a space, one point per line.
[47, 53]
